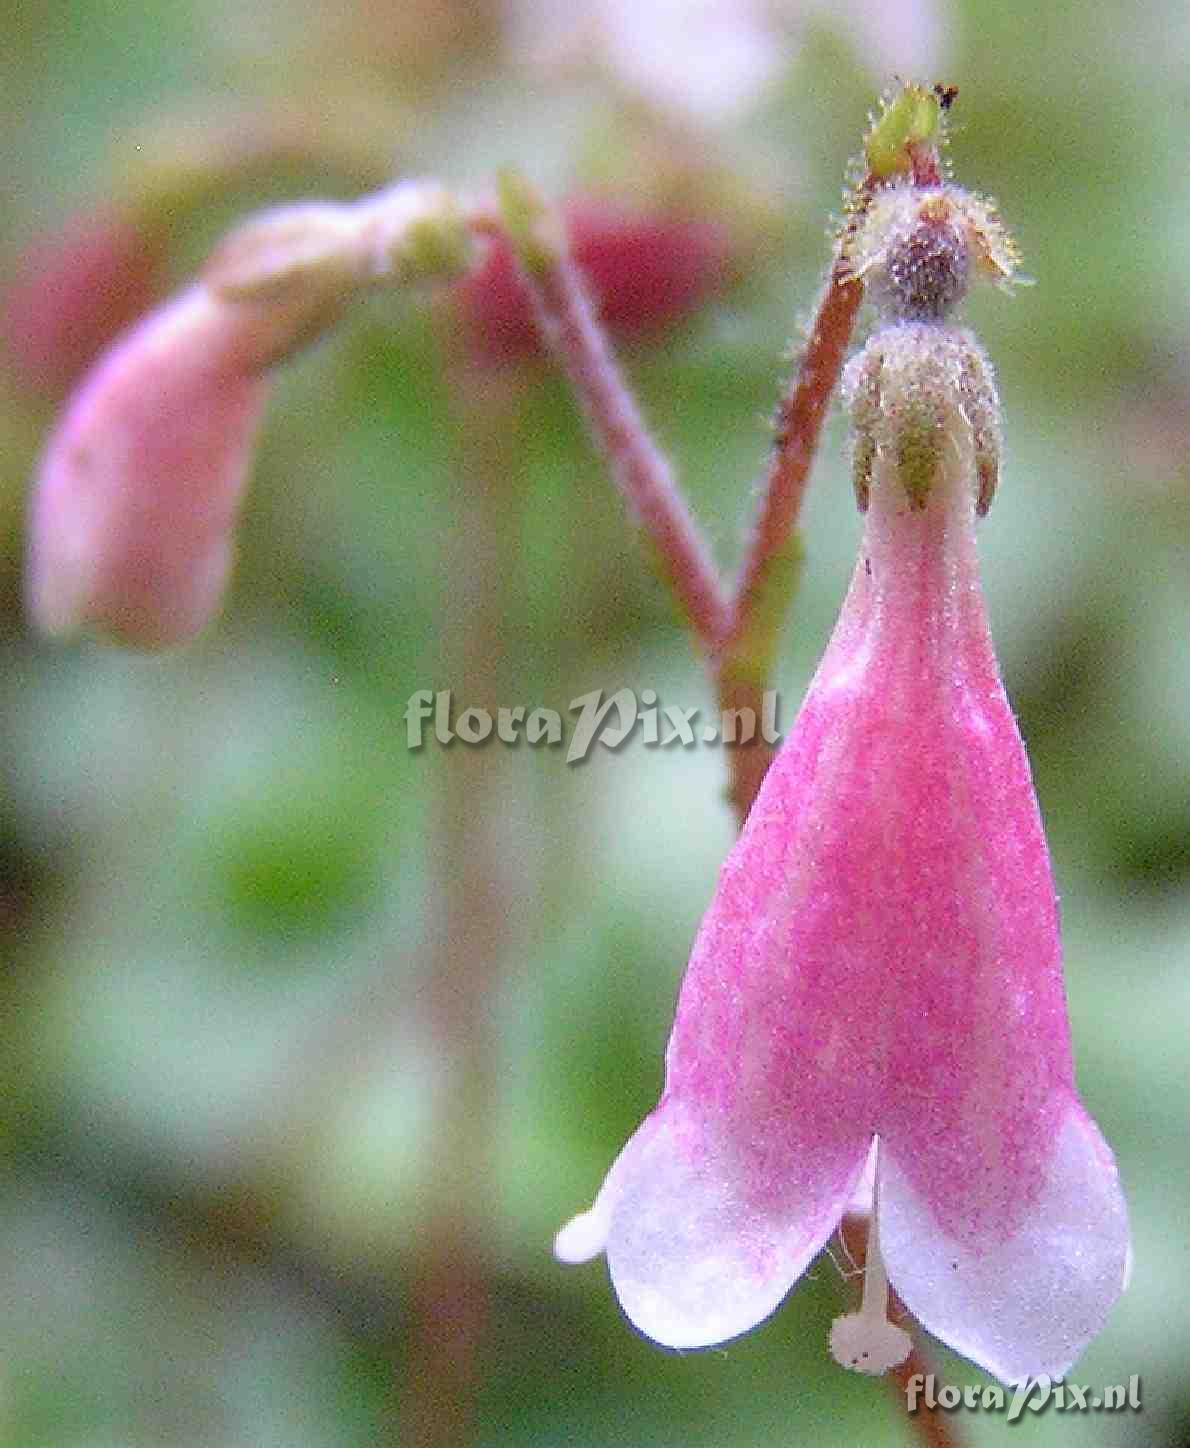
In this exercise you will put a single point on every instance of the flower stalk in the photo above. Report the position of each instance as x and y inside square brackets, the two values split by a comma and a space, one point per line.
[642, 472]
[737, 629]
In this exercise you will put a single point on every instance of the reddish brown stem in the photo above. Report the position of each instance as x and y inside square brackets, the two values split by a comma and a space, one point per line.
[748, 760]
[934, 1428]
[567, 321]
[737, 632]
[800, 416]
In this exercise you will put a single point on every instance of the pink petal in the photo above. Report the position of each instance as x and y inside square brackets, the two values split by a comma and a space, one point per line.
[130, 527]
[989, 1159]
[1024, 1295]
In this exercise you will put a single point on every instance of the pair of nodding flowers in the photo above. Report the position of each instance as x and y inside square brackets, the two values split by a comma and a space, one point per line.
[874, 1004]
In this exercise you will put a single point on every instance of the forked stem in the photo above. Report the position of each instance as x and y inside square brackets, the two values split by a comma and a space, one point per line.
[736, 630]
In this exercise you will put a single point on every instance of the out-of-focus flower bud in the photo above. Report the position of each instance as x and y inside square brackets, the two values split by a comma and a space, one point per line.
[73, 291]
[646, 271]
[138, 489]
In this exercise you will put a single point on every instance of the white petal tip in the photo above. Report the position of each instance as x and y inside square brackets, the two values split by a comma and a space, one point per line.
[582, 1238]
[868, 1345]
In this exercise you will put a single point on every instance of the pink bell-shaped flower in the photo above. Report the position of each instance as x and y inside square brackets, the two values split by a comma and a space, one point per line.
[879, 971]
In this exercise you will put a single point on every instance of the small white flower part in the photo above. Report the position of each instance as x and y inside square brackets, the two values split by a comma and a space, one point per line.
[866, 1341]
[868, 1344]
[582, 1238]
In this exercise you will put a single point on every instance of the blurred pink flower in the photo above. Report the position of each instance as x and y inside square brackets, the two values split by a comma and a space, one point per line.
[139, 486]
[73, 290]
[881, 963]
[647, 270]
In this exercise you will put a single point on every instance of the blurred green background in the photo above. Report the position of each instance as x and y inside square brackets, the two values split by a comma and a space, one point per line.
[310, 1041]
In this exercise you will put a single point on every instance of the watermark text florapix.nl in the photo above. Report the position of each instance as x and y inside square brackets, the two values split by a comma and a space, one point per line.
[1034, 1395]
[592, 718]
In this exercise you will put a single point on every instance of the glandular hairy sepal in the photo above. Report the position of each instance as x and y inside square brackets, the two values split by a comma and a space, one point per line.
[863, 461]
[981, 408]
[921, 396]
[861, 390]
[920, 437]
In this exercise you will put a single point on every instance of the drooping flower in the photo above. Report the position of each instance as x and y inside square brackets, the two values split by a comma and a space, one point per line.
[879, 971]
[139, 487]
[132, 516]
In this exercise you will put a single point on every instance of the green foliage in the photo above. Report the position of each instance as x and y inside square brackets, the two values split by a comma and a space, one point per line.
[224, 877]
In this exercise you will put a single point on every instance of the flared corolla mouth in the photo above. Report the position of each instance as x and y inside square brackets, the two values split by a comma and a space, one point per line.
[694, 1265]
